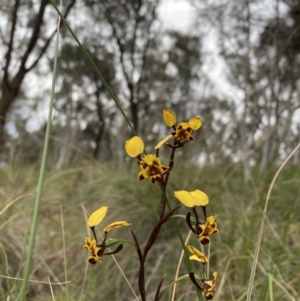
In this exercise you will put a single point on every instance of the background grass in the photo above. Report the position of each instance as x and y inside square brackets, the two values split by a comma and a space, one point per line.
[238, 206]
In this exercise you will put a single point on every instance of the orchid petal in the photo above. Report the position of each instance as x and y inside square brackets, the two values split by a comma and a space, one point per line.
[116, 225]
[97, 216]
[169, 117]
[134, 146]
[162, 142]
[195, 123]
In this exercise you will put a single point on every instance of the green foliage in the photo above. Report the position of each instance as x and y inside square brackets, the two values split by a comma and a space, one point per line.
[239, 208]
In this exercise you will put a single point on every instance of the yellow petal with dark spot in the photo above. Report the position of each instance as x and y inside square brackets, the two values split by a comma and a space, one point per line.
[144, 174]
[94, 259]
[134, 146]
[148, 159]
[169, 117]
[97, 216]
[90, 244]
[211, 227]
[195, 123]
[197, 255]
[162, 142]
[200, 198]
[185, 198]
[211, 219]
[116, 225]
[209, 295]
[204, 239]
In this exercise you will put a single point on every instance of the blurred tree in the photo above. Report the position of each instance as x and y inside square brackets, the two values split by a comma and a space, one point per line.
[82, 102]
[148, 69]
[259, 42]
[24, 48]
[278, 80]
[132, 30]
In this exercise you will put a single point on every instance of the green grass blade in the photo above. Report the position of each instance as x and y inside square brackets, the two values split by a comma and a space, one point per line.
[34, 224]
[64, 251]
[270, 282]
[260, 233]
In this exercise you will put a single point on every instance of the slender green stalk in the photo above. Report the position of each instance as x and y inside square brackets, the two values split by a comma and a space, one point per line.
[178, 266]
[91, 62]
[64, 250]
[208, 256]
[34, 224]
[87, 264]
[83, 281]
[270, 280]
[6, 263]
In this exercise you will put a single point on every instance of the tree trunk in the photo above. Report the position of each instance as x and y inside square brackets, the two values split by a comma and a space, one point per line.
[9, 92]
[11, 83]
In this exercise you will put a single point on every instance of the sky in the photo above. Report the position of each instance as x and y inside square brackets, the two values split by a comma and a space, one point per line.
[174, 14]
[180, 15]
[177, 15]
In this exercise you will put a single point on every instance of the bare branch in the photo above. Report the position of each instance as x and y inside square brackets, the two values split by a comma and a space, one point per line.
[144, 56]
[46, 45]
[35, 33]
[11, 41]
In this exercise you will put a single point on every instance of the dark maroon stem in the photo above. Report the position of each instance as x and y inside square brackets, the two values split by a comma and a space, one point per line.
[165, 183]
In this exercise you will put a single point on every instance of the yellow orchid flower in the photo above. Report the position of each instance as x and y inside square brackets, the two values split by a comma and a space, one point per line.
[97, 252]
[97, 216]
[151, 167]
[97, 249]
[210, 286]
[192, 198]
[183, 131]
[201, 229]
[150, 164]
[206, 229]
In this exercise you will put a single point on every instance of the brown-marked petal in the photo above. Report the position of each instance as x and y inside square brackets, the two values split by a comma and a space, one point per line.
[148, 159]
[211, 227]
[144, 174]
[197, 255]
[90, 244]
[94, 259]
[210, 287]
[96, 251]
[116, 225]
